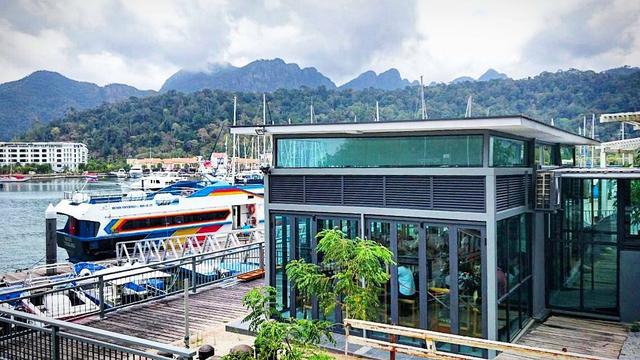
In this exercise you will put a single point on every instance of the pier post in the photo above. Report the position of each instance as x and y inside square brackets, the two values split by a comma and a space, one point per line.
[186, 313]
[50, 238]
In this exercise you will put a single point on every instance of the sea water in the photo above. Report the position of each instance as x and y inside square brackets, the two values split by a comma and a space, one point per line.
[22, 222]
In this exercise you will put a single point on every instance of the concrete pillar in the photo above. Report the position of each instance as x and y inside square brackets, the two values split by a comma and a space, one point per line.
[50, 237]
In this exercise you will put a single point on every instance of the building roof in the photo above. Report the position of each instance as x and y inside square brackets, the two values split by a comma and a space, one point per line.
[632, 144]
[604, 173]
[517, 125]
[632, 118]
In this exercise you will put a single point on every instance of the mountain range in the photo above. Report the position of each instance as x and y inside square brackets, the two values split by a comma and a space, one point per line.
[388, 80]
[44, 96]
[489, 75]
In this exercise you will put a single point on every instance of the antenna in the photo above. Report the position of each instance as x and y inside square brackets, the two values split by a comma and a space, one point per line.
[377, 112]
[424, 106]
[467, 113]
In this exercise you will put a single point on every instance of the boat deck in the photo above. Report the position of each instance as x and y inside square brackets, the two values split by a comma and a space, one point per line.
[163, 320]
[584, 336]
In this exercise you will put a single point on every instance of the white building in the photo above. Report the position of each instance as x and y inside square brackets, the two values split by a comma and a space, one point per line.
[60, 155]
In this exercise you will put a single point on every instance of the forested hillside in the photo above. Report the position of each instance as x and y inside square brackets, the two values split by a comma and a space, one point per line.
[176, 124]
[45, 95]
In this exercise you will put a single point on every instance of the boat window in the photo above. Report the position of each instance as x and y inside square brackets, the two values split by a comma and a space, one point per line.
[365, 152]
[162, 221]
[507, 152]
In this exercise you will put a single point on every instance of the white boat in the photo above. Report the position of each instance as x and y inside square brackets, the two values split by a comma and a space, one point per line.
[135, 172]
[121, 174]
[96, 222]
[156, 181]
[14, 178]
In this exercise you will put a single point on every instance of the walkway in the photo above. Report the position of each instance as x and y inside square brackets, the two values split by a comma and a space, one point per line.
[163, 320]
[585, 336]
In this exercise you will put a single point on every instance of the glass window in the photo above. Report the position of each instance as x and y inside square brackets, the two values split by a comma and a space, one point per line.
[513, 275]
[282, 237]
[363, 152]
[380, 232]
[470, 287]
[567, 153]
[408, 302]
[303, 305]
[438, 280]
[632, 209]
[507, 152]
[544, 154]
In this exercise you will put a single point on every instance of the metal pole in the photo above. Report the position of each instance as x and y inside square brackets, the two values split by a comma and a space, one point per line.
[186, 313]
[423, 104]
[261, 255]
[377, 112]
[233, 157]
[264, 123]
[101, 295]
[55, 345]
[193, 274]
[50, 239]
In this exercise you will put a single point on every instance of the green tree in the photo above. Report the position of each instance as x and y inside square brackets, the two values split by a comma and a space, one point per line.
[352, 273]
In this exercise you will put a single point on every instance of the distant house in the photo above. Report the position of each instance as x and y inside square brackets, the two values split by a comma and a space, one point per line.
[489, 221]
[60, 155]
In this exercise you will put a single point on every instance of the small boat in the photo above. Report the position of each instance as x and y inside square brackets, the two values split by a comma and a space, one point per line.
[14, 178]
[156, 181]
[92, 178]
[135, 172]
[121, 174]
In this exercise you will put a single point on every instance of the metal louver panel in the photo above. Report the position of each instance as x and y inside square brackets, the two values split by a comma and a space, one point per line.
[410, 192]
[447, 193]
[363, 190]
[511, 191]
[286, 189]
[323, 190]
[459, 193]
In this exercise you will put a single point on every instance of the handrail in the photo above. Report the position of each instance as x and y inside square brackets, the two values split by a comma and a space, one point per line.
[150, 267]
[433, 337]
[104, 334]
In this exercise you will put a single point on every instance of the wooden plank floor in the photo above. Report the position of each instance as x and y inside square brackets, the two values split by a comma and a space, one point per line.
[585, 336]
[163, 320]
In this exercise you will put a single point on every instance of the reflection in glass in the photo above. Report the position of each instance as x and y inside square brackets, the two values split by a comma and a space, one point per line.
[470, 286]
[408, 151]
[282, 241]
[380, 232]
[303, 305]
[438, 279]
[507, 152]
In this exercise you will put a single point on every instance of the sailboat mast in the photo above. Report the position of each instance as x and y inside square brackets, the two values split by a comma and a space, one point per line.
[233, 158]
[264, 123]
[423, 104]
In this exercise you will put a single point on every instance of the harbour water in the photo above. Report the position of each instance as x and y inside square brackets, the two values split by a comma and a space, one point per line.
[22, 224]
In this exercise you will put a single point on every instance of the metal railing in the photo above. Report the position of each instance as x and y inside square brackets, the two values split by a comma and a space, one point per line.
[121, 286]
[27, 336]
[432, 340]
[173, 247]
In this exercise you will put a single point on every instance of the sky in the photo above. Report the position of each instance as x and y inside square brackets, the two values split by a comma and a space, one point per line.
[142, 43]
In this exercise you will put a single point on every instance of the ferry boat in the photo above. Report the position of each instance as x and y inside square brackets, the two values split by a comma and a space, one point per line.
[96, 222]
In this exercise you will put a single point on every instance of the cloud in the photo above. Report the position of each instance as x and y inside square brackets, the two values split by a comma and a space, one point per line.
[595, 34]
[122, 36]
[143, 42]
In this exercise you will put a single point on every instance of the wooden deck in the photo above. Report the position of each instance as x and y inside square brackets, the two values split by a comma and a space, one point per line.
[163, 320]
[585, 336]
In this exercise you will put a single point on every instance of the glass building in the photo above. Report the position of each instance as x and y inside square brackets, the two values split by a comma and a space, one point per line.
[482, 244]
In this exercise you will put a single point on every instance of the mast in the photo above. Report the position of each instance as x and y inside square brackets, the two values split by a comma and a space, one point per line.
[467, 113]
[593, 136]
[311, 113]
[233, 157]
[423, 104]
[377, 112]
[264, 123]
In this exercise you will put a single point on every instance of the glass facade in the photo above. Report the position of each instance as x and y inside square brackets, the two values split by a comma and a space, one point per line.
[583, 248]
[544, 155]
[567, 155]
[366, 152]
[513, 275]
[435, 284]
[504, 152]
